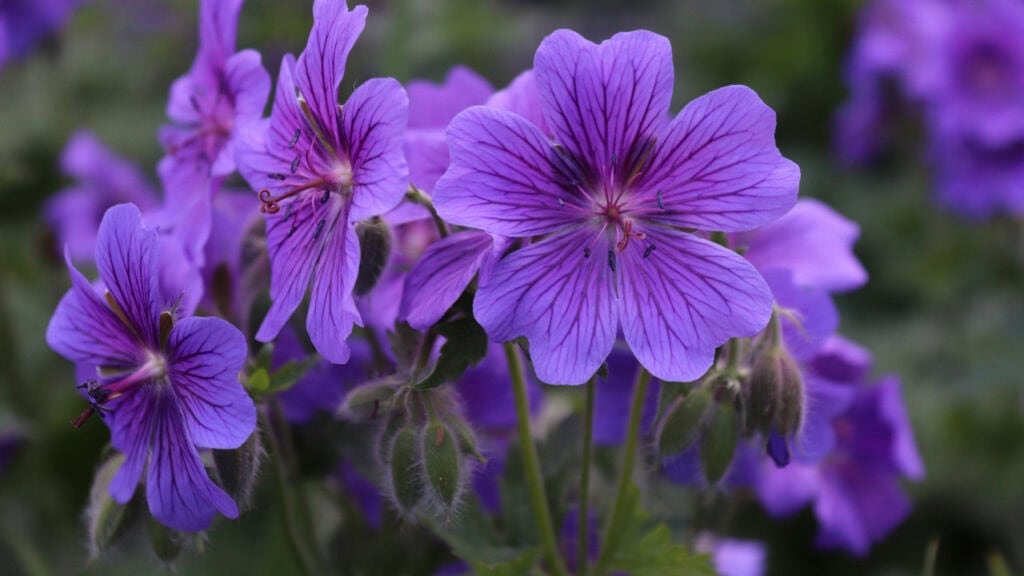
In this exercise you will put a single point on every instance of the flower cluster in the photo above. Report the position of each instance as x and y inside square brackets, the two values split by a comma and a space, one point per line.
[961, 65]
[569, 217]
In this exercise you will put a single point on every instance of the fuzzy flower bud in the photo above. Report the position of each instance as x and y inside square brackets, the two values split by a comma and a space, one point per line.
[405, 488]
[107, 521]
[374, 248]
[686, 419]
[443, 467]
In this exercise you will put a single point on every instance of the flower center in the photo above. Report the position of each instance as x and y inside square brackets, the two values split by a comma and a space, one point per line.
[154, 369]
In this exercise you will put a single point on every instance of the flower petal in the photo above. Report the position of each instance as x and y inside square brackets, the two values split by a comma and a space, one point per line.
[433, 105]
[522, 97]
[813, 242]
[127, 259]
[503, 177]
[332, 308]
[440, 276]
[205, 356]
[248, 83]
[686, 298]
[321, 65]
[426, 150]
[83, 329]
[717, 166]
[602, 102]
[179, 492]
[130, 420]
[808, 315]
[560, 299]
[374, 119]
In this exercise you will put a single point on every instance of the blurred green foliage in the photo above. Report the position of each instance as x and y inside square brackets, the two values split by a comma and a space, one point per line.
[944, 308]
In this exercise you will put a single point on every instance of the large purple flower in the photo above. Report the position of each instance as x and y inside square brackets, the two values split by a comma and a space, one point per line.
[165, 388]
[223, 93]
[320, 168]
[607, 204]
[856, 488]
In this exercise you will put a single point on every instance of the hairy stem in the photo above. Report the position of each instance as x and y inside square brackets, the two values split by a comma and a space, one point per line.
[416, 196]
[616, 523]
[583, 524]
[531, 464]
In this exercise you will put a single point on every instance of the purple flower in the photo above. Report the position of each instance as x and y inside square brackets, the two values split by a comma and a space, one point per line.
[732, 557]
[223, 93]
[813, 242]
[323, 387]
[431, 107]
[978, 181]
[24, 22]
[607, 201]
[166, 388]
[102, 179]
[855, 490]
[320, 168]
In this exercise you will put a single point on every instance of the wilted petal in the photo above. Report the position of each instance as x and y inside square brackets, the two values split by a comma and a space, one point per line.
[561, 300]
[717, 166]
[602, 102]
[205, 357]
[686, 298]
[179, 492]
[332, 309]
[321, 65]
[375, 118]
[127, 259]
[502, 178]
[441, 275]
[813, 242]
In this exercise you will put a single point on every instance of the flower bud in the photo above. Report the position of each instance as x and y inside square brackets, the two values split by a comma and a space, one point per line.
[791, 410]
[366, 402]
[405, 487]
[238, 469]
[374, 248]
[108, 522]
[685, 421]
[772, 374]
[442, 465]
[166, 543]
[719, 443]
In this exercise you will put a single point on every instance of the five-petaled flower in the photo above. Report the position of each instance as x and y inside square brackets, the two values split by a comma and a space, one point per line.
[611, 206]
[321, 167]
[164, 387]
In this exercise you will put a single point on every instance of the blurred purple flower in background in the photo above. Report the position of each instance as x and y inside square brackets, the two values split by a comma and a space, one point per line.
[23, 23]
[165, 385]
[732, 557]
[607, 199]
[321, 167]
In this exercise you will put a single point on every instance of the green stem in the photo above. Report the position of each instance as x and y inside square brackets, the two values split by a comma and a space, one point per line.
[583, 524]
[296, 523]
[613, 530]
[531, 464]
[417, 196]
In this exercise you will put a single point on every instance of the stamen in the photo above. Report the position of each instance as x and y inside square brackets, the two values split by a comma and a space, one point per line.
[661, 199]
[561, 202]
[611, 260]
[295, 165]
[326, 196]
[289, 211]
[195, 104]
[319, 228]
[586, 252]
[77, 421]
[275, 176]
[292, 231]
[295, 138]
[648, 250]
[270, 204]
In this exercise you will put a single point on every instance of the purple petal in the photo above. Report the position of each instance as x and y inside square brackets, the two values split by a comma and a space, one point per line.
[131, 423]
[206, 356]
[323, 387]
[179, 492]
[83, 329]
[434, 105]
[501, 178]
[783, 491]
[813, 242]
[486, 393]
[602, 101]
[717, 166]
[375, 118]
[321, 65]
[613, 396]
[441, 275]
[332, 309]
[249, 83]
[73, 214]
[127, 259]
[427, 153]
[858, 505]
[523, 98]
[904, 447]
[686, 298]
[824, 401]
[842, 361]
[218, 23]
[565, 306]
[808, 315]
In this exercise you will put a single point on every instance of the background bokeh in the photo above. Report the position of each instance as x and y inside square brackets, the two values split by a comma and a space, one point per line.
[944, 308]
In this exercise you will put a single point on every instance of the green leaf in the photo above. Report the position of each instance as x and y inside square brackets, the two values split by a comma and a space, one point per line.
[647, 549]
[465, 345]
[286, 376]
[258, 382]
[475, 540]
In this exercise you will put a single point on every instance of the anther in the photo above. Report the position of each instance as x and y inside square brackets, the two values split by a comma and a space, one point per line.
[326, 196]
[295, 138]
[586, 252]
[319, 228]
[661, 199]
[292, 231]
[195, 104]
[611, 260]
[275, 176]
[295, 165]
[561, 202]
[289, 211]
[648, 250]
